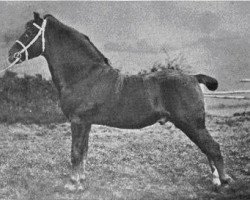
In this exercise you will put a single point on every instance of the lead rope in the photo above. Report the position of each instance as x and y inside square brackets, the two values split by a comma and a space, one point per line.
[11, 65]
[25, 48]
[26, 51]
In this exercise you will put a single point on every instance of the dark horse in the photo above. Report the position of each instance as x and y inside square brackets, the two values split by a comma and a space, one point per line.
[92, 92]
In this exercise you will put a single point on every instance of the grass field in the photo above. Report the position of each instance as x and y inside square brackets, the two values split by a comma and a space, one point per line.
[153, 163]
[157, 162]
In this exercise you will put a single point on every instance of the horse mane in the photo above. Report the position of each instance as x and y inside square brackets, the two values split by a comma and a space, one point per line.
[78, 35]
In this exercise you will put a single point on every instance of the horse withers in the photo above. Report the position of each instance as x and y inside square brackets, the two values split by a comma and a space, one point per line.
[91, 91]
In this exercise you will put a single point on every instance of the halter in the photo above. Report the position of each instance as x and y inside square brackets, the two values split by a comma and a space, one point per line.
[25, 48]
[17, 55]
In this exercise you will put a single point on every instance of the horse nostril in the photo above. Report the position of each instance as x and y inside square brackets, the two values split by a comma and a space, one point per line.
[17, 55]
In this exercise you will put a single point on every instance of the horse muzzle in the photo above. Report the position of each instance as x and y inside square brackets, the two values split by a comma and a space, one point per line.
[16, 56]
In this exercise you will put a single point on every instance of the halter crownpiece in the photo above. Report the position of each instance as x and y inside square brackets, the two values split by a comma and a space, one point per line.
[42, 29]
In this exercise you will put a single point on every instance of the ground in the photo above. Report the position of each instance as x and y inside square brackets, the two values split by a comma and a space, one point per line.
[156, 162]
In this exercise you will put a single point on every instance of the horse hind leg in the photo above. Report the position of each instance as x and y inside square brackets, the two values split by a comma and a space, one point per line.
[216, 179]
[213, 153]
[79, 148]
[215, 175]
[202, 138]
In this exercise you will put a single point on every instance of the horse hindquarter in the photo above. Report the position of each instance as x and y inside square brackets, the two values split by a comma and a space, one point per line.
[184, 99]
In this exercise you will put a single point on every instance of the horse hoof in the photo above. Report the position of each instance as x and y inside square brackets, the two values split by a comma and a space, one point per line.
[216, 183]
[70, 187]
[227, 180]
[82, 178]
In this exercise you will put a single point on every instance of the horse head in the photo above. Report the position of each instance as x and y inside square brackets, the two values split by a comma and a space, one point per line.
[31, 43]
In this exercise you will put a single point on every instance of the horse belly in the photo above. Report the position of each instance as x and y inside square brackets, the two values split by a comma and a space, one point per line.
[130, 122]
[133, 113]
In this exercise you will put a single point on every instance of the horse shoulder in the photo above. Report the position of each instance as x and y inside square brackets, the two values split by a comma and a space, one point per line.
[87, 96]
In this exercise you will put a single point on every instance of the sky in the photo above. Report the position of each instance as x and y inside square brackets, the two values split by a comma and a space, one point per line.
[214, 36]
[135, 26]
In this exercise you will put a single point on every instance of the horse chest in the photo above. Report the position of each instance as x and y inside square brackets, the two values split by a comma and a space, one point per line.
[70, 100]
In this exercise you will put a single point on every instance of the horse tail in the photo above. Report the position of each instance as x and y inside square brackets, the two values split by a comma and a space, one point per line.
[211, 83]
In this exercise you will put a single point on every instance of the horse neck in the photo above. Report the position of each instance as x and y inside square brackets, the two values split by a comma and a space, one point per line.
[66, 49]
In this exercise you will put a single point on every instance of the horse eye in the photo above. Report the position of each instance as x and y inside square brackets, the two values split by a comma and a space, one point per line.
[28, 32]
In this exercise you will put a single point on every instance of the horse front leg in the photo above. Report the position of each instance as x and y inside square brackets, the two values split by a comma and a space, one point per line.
[79, 149]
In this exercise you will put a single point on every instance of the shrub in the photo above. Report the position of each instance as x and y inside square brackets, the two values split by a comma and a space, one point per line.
[30, 99]
[178, 63]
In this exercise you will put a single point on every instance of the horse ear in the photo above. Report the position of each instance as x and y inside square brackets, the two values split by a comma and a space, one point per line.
[36, 16]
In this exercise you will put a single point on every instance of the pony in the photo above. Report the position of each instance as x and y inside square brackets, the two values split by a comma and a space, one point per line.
[91, 91]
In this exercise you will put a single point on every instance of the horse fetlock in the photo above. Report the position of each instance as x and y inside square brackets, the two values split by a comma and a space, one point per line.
[75, 178]
[78, 177]
[216, 180]
[227, 179]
